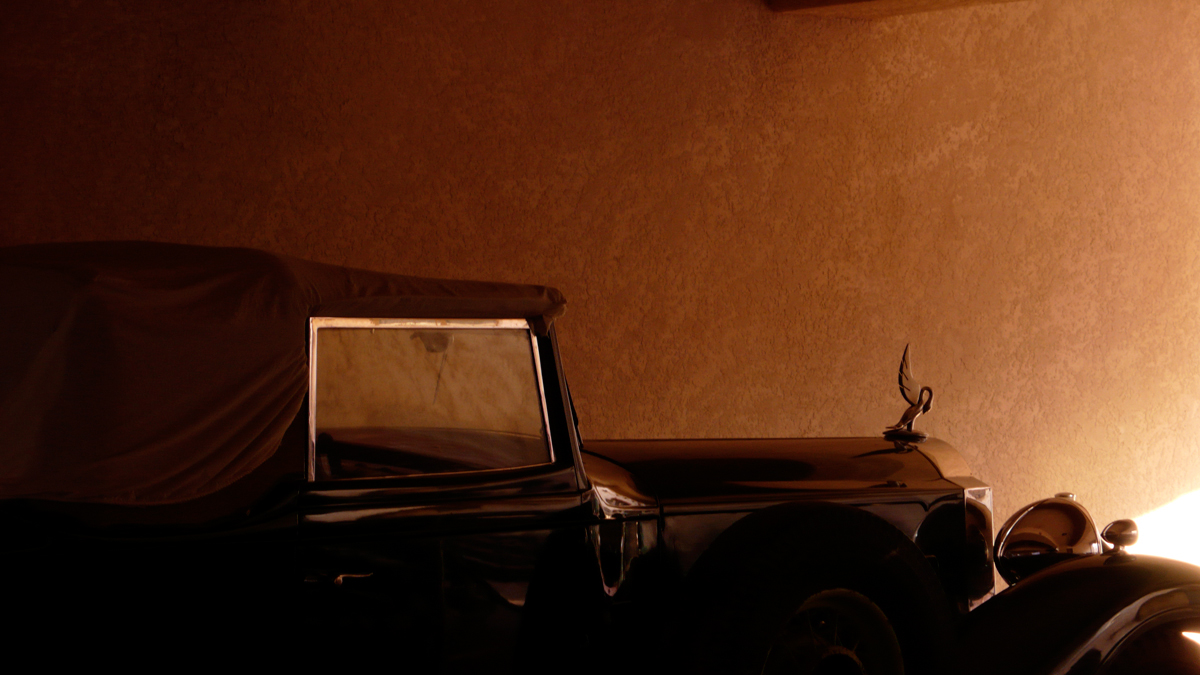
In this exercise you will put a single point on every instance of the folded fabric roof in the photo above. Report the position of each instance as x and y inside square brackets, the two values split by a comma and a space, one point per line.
[148, 373]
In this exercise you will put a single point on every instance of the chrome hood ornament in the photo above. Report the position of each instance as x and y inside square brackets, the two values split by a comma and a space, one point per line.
[919, 401]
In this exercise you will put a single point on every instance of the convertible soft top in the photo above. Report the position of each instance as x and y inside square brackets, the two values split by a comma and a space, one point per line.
[144, 373]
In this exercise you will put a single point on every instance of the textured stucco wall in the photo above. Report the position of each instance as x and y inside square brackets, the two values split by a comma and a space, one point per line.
[750, 213]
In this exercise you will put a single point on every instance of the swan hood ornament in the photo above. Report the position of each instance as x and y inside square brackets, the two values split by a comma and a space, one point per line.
[919, 401]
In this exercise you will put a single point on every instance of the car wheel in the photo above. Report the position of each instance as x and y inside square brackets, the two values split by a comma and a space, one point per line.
[836, 632]
[748, 605]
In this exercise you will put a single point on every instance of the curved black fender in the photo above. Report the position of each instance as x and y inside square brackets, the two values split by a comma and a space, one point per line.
[1075, 617]
[757, 573]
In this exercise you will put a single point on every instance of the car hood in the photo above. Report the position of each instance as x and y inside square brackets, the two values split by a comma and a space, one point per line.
[692, 471]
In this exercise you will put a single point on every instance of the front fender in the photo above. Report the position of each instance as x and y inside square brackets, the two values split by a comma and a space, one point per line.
[1074, 616]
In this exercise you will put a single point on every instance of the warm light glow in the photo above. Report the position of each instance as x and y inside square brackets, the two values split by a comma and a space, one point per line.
[1171, 530]
[1194, 637]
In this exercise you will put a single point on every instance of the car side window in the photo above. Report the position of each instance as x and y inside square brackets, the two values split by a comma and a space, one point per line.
[397, 398]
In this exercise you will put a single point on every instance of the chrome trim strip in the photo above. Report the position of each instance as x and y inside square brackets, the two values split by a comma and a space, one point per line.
[541, 384]
[312, 400]
[345, 322]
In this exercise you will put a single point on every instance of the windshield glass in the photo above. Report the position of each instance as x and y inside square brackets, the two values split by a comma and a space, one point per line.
[397, 401]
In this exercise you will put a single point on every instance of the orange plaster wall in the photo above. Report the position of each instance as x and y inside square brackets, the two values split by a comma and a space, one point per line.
[750, 213]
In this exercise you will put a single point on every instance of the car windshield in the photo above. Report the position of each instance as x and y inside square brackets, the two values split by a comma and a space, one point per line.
[398, 401]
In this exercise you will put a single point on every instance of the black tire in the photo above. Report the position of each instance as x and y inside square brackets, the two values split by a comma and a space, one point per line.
[787, 563]
[836, 632]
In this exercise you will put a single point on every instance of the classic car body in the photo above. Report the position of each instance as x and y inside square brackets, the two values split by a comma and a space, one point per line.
[231, 447]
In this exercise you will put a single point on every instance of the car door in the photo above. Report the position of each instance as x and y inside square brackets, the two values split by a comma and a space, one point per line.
[440, 479]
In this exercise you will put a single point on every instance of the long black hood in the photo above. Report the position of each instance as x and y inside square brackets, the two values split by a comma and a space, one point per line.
[690, 471]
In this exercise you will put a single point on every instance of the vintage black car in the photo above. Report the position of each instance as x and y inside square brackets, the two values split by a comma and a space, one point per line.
[223, 449]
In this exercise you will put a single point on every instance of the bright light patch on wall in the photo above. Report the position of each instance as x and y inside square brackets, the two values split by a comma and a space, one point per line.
[1170, 531]
[1194, 637]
